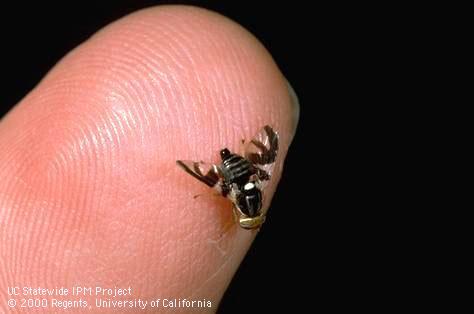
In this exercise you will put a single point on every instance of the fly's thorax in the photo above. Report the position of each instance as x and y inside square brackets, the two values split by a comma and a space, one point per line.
[249, 200]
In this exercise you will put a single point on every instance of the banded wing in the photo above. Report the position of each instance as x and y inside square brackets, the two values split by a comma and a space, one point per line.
[262, 151]
[207, 173]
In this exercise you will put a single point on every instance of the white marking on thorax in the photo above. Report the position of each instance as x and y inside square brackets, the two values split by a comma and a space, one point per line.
[249, 186]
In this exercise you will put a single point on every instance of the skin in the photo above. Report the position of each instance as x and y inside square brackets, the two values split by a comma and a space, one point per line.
[90, 193]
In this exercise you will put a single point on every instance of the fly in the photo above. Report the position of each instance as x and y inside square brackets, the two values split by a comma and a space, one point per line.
[242, 179]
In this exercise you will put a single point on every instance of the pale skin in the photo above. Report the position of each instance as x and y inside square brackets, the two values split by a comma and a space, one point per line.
[90, 193]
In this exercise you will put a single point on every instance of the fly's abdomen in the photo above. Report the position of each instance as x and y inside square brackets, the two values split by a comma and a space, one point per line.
[236, 169]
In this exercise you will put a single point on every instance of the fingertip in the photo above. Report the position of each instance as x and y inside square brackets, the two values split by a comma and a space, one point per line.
[105, 132]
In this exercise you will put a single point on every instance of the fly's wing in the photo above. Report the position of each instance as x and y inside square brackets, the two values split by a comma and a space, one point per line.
[262, 151]
[207, 173]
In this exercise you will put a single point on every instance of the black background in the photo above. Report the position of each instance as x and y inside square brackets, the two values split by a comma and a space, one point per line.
[276, 270]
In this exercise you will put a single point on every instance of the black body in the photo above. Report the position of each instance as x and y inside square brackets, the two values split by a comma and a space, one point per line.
[250, 202]
[235, 168]
[238, 170]
[240, 177]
